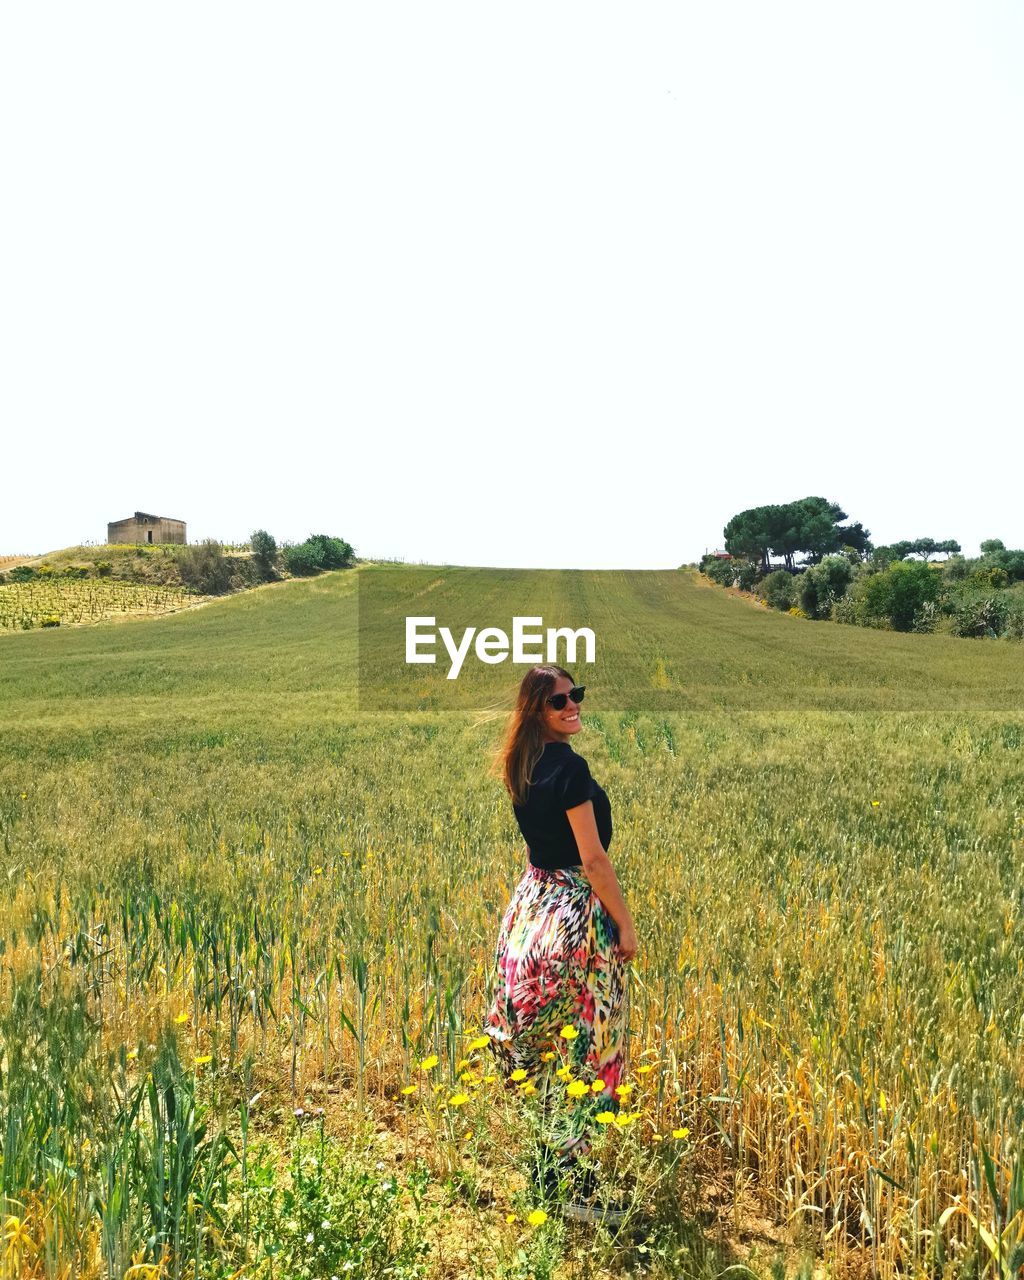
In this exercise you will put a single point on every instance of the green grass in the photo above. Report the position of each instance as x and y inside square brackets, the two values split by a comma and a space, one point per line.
[819, 830]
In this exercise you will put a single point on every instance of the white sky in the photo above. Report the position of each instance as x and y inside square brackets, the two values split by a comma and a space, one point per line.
[520, 285]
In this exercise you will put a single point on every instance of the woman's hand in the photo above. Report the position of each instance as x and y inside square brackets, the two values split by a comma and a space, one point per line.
[627, 943]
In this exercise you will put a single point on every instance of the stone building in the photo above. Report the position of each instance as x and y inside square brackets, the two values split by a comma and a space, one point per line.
[142, 527]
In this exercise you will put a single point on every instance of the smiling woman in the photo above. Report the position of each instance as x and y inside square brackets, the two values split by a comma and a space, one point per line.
[558, 986]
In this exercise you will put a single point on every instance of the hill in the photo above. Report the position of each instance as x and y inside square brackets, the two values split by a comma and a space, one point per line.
[665, 640]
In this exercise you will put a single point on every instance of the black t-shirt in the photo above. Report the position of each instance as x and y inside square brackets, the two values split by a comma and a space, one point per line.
[561, 780]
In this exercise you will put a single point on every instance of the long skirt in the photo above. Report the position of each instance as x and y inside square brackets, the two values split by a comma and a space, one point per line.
[557, 967]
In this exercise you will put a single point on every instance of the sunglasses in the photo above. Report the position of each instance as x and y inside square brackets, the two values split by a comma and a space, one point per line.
[558, 700]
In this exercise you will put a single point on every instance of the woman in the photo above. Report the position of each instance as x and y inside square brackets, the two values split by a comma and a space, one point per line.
[567, 933]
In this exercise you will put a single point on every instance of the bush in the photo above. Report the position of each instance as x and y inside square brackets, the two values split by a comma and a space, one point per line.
[203, 568]
[317, 553]
[75, 571]
[746, 575]
[264, 553]
[23, 573]
[898, 593]
[777, 589]
[50, 620]
[821, 585]
[720, 571]
[103, 568]
[300, 559]
[335, 553]
[1013, 626]
[985, 616]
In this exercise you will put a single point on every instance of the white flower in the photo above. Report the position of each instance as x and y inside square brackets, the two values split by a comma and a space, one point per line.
[325, 1224]
[309, 1237]
[380, 1164]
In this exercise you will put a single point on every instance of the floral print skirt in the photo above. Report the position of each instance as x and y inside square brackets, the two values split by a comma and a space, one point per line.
[556, 967]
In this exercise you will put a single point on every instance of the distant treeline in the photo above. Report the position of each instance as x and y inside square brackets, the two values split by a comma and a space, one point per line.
[844, 577]
[202, 567]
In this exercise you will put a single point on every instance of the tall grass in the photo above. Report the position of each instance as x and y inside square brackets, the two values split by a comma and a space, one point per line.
[828, 996]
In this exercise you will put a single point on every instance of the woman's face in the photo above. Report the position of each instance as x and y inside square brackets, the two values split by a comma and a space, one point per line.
[560, 725]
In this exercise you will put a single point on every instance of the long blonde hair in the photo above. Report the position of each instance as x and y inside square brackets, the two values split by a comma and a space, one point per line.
[523, 743]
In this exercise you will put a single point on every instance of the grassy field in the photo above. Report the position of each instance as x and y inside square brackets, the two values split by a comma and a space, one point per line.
[243, 882]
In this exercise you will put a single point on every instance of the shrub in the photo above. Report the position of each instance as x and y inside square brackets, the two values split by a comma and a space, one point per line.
[335, 553]
[264, 553]
[746, 575]
[898, 593]
[103, 568]
[988, 576]
[300, 559]
[203, 568]
[49, 620]
[1013, 626]
[984, 616]
[821, 585]
[23, 573]
[75, 571]
[777, 589]
[720, 571]
[797, 613]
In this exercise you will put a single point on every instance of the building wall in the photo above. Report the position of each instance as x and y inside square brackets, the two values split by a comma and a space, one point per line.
[154, 529]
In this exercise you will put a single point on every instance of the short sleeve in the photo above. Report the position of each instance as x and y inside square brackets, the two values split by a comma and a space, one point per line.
[574, 783]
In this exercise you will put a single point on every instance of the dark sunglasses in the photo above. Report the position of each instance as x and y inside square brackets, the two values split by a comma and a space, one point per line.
[558, 700]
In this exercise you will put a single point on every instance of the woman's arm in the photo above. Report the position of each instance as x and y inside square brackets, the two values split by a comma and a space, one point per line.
[597, 864]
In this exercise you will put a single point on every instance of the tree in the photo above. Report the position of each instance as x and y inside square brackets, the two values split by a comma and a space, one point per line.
[264, 553]
[810, 525]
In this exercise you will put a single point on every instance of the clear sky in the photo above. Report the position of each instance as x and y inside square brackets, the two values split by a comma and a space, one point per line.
[523, 285]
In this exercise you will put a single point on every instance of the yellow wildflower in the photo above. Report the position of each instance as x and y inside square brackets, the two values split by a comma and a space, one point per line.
[518, 1074]
[318, 871]
[680, 1133]
[462, 1062]
[410, 1088]
[564, 1072]
[510, 1217]
[490, 1079]
[568, 1033]
[657, 1137]
[528, 1089]
[481, 1042]
[597, 1086]
[577, 1089]
[457, 1099]
[605, 1117]
[182, 1017]
[537, 1218]
[649, 1066]
[623, 1090]
[546, 1057]
[429, 1063]
[201, 1062]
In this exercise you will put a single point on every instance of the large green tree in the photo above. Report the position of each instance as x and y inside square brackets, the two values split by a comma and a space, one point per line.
[809, 526]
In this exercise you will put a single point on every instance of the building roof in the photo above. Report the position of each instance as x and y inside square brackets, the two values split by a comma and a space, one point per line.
[145, 516]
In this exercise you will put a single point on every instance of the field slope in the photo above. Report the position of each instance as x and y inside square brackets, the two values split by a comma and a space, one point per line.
[213, 831]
